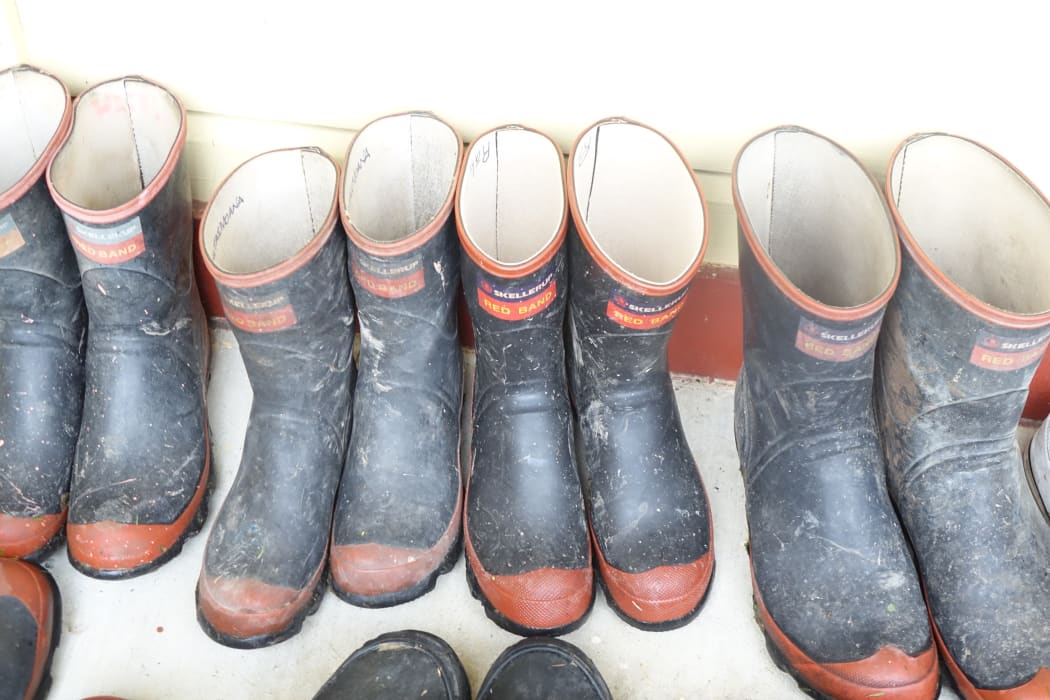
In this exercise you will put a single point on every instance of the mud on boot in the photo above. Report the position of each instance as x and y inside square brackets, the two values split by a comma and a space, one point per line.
[398, 512]
[835, 587]
[271, 238]
[639, 231]
[142, 462]
[961, 340]
[524, 529]
[42, 320]
[30, 627]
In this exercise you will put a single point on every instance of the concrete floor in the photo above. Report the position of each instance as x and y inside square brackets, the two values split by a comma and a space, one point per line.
[139, 639]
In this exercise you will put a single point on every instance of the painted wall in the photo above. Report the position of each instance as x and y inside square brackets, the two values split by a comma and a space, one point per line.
[265, 74]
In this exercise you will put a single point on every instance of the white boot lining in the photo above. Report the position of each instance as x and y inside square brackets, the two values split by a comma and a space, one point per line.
[268, 210]
[818, 216]
[31, 109]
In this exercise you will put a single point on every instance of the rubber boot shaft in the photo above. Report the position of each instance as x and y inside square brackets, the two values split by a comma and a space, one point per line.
[525, 531]
[272, 239]
[836, 590]
[397, 665]
[959, 349]
[141, 469]
[398, 513]
[539, 668]
[30, 626]
[42, 320]
[649, 516]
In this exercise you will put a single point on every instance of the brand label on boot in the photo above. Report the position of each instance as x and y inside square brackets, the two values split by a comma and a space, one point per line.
[515, 304]
[653, 313]
[388, 279]
[107, 245]
[263, 314]
[835, 345]
[1001, 354]
[10, 237]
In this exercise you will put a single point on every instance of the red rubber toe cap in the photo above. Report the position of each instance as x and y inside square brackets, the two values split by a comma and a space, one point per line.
[24, 537]
[1038, 688]
[35, 590]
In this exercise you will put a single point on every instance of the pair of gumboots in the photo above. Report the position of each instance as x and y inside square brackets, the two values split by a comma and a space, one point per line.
[300, 250]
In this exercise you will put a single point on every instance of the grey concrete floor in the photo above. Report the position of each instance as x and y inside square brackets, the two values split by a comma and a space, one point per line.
[139, 639]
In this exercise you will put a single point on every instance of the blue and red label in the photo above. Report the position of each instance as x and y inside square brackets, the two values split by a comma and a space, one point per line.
[631, 312]
[999, 354]
[835, 344]
[11, 238]
[108, 245]
[390, 279]
[515, 303]
[258, 314]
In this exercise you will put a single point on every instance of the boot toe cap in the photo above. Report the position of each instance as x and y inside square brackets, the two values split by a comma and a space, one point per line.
[25, 537]
[247, 608]
[662, 595]
[371, 569]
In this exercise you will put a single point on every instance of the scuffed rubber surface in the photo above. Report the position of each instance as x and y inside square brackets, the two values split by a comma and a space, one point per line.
[542, 669]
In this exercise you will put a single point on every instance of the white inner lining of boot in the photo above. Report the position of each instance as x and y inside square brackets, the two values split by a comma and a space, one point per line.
[818, 216]
[512, 200]
[268, 210]
[639, 201]
[400, 171]
[123, 133]
[977, 220]
[31, 108]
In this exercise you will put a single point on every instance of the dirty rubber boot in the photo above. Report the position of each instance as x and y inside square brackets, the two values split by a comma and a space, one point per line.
[398, 514]
[960, 343]
[396, 666]
[836, 591]
[41, 321]
[538, 669]
[272, 240]
[142, 461]
[30, 626]
[1037, 466]
[528, 557]
[638, 237]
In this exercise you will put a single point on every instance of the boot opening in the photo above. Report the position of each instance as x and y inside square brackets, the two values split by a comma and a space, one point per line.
[980, 223]
[31, 109]
[399, 175]
[123, 134]
[818, 216]
[269, 209]
[638, 201]
[512, 199]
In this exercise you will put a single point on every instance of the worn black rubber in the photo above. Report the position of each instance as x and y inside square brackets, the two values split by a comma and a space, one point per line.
[397, 666]
[42, 324]
[397, 523]
[290, 309]
[542, 669]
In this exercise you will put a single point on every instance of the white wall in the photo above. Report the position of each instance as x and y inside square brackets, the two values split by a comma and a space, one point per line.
[710, 75]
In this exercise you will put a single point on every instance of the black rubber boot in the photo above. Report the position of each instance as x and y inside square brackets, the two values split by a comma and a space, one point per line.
[836, 591]
[271, 239]
[142, 461]
[397, 666]
[398, 514]
[543, 669]
[528, 557]
[41, 320]
[30, 626]
[961, 341]
[638, 237]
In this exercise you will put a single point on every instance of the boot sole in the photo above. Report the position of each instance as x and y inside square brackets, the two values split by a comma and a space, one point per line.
[783, 665]
[521, 630]
[196, 525]
[387, 600]
[265, 640]
[657, 626]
